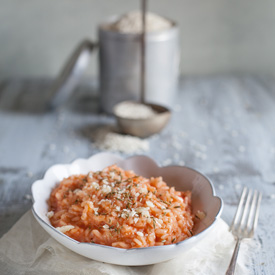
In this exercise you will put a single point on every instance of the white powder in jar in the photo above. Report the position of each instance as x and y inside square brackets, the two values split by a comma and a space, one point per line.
[134, 110]
[132, 23]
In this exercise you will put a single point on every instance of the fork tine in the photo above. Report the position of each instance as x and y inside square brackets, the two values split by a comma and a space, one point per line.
[249, 215]
[239, 210]
[252, 213]
[256, 214]
[245, 211]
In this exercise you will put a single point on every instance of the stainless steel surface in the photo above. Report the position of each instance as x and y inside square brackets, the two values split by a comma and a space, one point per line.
[68, 78]
[245, 222]
[120, 57]
[145, 127]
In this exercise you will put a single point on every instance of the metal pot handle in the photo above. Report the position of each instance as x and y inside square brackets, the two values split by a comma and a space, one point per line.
[69, 76]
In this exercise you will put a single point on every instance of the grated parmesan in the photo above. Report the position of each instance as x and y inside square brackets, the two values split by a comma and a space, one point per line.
[150, 204]
[180, 198]
[143, 190]
[50, 214]
[159, 222]
[95, 210]
[65, 228]
[200, 215]
[105, 181]
[95, 185]
[103, 200]
[133, 213]
[140, 234]
[143, 211]
[106, 189]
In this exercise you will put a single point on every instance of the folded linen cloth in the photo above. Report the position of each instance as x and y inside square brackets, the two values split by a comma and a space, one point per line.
[28, 249]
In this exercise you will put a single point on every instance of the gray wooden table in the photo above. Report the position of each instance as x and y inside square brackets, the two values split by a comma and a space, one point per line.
[223, 126]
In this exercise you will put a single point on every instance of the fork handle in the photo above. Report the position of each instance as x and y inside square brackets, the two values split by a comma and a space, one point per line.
[232, 265]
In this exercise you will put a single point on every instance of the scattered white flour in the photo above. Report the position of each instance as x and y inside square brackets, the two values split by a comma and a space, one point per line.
[66, 149]
[107, 139]
[216, 169]
[52, 147]
[133, 110]
[241, 149]
[163, 146]
[210, 141]
[234, 133]
[200, 155]
[177, 108]
[28, 197]
[167, 162]
[238, 186]
[132, 23]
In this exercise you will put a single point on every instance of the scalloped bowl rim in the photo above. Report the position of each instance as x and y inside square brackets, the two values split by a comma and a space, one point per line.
[64, 238]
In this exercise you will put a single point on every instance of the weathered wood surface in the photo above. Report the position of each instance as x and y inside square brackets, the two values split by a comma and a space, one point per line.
[224, 127]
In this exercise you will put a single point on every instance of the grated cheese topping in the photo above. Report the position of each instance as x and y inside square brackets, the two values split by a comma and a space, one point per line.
[95, 185]
[140, 234]
[65, 228]
[106, 189]
[50, 214]
[150, 204]
[124, 200]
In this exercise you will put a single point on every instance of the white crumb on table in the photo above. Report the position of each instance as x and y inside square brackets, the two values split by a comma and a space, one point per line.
[107, 139]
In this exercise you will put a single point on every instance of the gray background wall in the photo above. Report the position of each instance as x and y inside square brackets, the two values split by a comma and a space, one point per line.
[217, 36]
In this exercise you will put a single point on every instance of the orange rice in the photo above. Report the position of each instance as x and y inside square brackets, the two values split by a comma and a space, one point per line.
[119, 208]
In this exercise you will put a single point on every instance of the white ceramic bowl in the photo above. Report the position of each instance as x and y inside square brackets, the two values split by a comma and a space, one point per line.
[183, 178]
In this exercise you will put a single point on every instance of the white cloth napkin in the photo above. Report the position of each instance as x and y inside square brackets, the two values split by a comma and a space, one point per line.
[28, 249]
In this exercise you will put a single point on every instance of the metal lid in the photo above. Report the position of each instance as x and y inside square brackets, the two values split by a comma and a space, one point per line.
[69, 76]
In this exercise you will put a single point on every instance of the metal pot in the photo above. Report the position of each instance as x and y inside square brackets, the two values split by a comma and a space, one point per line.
[119, 67]
[119, 62]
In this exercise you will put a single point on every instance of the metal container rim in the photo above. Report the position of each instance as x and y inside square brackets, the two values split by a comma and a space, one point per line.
[162, 35]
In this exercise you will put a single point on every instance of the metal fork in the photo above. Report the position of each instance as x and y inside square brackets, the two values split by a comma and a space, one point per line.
[244, 222]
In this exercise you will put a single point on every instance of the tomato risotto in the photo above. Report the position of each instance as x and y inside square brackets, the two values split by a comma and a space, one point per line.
[119, 208]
